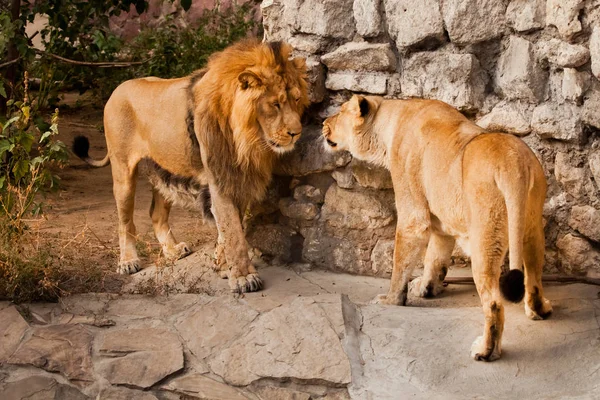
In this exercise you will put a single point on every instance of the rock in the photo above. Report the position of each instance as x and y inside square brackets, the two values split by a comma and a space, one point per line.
[282, 393]
[334, 253]
[282, 344]
[355, 209]
[40, 388]
[308, 193]
[12, 329]
[371, 176]
[473, 21]
[58, 348]
[140, 357]
[310, 156]
[564, 15]
[558, 121]
[508, 116]
[298, 210]
[316, 80]
[526, 15]
[595, 51]
[344, 178]
[368, 17]
[586, 220]
[201, 386]
[590, 115]
[324, 17]
[594, 163]
[357, 82]
[382, 257]
[361, 56]
[577, 255]
[572, 179]
[409, 25]
[562, 53]
[456, 79]
[307, 43]
[118, 393]
[574, 84]
[274, 24]
[519, 76]
[272, 239]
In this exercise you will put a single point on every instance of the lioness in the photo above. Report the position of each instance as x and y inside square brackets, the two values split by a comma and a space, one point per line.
[453, 181]
[209, 139]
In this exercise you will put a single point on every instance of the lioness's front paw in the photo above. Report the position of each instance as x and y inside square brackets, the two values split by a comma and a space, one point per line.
[385, 300]
[480, 352]
[421, 288]
[178, 251]
[244, 284]
[128, 267]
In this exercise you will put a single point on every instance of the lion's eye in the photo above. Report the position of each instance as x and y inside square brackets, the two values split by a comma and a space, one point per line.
[298, 99]
[277, 105]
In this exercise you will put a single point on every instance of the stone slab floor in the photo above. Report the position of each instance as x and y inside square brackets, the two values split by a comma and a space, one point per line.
[307, 335]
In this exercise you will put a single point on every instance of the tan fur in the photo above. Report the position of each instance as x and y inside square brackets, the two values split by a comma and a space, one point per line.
[453, 182]
[222, 127]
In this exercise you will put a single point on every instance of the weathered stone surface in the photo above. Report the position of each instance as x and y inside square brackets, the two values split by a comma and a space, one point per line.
[595, 51]
[299, 353]
[563, 14]
[298, 210]
[140, 357]
[577, 255]
[572, 179]
[473, 21]
[118, 393]
[558, 121]
[272, 239]
[586, 220]
[203, 387]
[594, 163]
[371, 176]
[574, 84]
[58, 348]
[336, 253]
[508, 116]
[324, 17]
[519, 76]
[361, 56]
[274, 24]
[454, 78]
[344, 178]
[409, 24]
[590, 114]
[357, 82]
[382, 257]
[307, 43]
[562, 53]
[355, 209]
[526, 15]
[308, 193]
[12, 329]
[310, 156]
[368, 17]
[282, 393]
[40, 388]
[316, 80]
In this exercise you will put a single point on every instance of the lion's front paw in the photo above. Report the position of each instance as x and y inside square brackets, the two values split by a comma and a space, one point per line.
[480, 352]
[386, 300]
[245, 284]
[178, 251]
[421, 288]
[128, 267]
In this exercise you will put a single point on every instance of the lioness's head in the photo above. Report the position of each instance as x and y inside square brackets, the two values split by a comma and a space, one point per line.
[348, 129]
[270, 98]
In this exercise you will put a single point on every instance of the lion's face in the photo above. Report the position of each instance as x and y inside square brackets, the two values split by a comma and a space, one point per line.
[340, 130]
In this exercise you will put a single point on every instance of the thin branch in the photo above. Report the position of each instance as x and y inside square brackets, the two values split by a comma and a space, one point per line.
[93, 64]
[6, 64]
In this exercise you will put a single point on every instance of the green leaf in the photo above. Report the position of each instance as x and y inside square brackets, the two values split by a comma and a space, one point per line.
[2, 179]
[2, 90]
[5, 145]
[186, 4]
[26, 141]
[20, 169]
[44, 136]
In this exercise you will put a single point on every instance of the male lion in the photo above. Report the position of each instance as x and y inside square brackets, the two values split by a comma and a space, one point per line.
[208, 139]
[453, 181]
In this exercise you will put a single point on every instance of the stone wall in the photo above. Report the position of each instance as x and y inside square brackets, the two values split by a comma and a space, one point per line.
[526, 67]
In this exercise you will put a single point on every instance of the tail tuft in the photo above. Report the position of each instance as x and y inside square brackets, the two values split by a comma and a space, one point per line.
[81, 147]
[512, 285]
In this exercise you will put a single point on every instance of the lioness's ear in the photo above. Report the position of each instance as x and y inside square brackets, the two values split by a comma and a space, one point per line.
[249, 79]
[299, 63]
[359, 106]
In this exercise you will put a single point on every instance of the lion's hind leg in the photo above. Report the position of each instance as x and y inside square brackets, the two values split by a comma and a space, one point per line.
[437, 260]
[537, 307]
[159, 212]
[124, 183]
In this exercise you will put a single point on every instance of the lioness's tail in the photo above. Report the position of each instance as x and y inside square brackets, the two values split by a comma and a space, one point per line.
[515, 189]
[81, 146]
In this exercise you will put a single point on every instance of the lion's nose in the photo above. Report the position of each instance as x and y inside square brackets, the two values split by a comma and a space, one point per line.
[292, 134]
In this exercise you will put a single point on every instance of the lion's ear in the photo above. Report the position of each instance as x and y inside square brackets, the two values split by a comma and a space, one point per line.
[249, 79]
[359, 106]
[299, 63]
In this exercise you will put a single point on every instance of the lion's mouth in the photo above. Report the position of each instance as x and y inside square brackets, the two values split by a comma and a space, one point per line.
[273, 144]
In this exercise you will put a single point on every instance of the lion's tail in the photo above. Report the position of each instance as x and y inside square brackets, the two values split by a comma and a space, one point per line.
[515, 189]
[81, 147]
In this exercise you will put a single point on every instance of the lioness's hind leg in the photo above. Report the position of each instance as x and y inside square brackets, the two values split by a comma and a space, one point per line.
[437, 260]
[124, 182]
[159, 212]
[536, 305]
